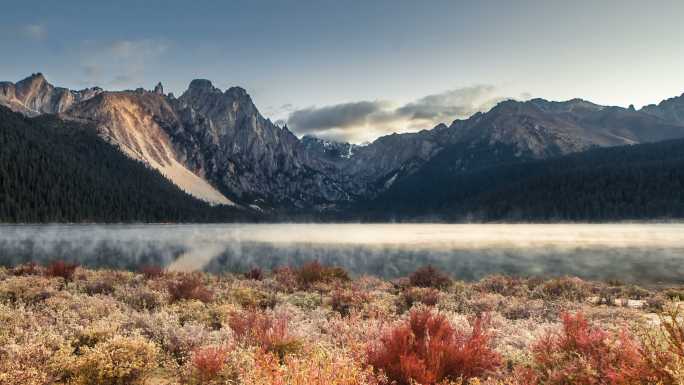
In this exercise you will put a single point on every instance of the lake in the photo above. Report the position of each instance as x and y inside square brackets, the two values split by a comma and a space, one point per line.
[642, 253]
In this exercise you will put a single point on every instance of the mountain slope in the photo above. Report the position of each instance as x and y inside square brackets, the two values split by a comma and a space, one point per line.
[625, 182]
[130, 120]
[671, 110]
[57, 171]
[218, 147]
[34, 96]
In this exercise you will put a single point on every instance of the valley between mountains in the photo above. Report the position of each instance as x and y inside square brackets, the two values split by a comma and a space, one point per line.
[521, 160]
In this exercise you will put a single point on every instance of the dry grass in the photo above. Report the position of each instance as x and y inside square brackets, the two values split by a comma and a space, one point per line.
[64, 324]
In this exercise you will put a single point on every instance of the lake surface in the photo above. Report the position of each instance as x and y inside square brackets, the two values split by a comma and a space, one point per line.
[640, 253]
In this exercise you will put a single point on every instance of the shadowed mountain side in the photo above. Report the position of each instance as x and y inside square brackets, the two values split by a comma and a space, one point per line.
[643, 181]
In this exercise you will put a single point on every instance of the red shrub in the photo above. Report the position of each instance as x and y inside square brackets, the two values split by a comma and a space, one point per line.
[255, 273]
[151, 271]
[61, 269]
[429, 276]
[587, 355]
[208, 362]
[426, 349]
[313, 272]
[265, 330]
[189, 286]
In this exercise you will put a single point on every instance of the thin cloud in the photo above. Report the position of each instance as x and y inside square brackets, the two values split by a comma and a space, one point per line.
[366, 120]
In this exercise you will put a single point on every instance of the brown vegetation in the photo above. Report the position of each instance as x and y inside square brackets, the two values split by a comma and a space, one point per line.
[63, 324]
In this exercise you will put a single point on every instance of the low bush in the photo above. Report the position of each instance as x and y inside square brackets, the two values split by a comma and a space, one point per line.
[582, 354]
[504, 285]
[286, 277]
[140, 298]
[30, 268]
[61, 269]
[27, 289]
[253, 298]
[104, 287]
[119, 361]
[344, 301]
[429, 276]
[255, 273]
[663, 349]
[207, 364]
[418, 295]
[675, 294]
[189, 286]
[566, 288]
[151, 271]
[314, 272]
[266, 330]
[426, 349]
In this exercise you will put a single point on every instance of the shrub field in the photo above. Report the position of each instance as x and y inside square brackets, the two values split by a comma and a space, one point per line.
[317, 325]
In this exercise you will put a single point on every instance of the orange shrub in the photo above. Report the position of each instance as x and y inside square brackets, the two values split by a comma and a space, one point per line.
[429, 276]
[189, 286]
[426, 349]
[587, 355]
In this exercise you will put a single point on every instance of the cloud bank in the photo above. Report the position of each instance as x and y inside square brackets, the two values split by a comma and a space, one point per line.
[366, 120]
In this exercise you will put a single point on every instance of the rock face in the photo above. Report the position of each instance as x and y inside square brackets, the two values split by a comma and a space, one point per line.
[34, 96]
[217, 146]
[223, 137]
[671, 110]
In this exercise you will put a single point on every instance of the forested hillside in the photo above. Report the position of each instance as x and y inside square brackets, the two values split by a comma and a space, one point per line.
[57, 171]
[638, 182]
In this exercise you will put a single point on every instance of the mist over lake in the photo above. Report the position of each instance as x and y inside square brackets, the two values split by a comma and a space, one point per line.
[640, 253]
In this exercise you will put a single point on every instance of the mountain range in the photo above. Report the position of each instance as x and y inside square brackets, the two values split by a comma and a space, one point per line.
[216, 146]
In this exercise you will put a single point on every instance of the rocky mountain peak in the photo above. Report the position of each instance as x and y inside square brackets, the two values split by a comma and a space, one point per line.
[202, 85]
[237, 92]
[159, 89]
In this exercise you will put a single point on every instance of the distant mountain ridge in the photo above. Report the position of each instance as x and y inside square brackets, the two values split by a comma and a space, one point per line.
[218, 147]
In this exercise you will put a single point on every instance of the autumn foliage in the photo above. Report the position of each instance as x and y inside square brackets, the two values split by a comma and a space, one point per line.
[314, 272]
[426, 349]
[264, 329]
[189, 286]
[588, 355]
[61, 269]
[208, 362]
[429, 276]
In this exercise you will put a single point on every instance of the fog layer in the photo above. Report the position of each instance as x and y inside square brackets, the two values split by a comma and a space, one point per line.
[642, 253]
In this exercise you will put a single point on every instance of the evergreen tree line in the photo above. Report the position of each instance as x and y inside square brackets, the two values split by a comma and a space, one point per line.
[638, 182]
[59, 171]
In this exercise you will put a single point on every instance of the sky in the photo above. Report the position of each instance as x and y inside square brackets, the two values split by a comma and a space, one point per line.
[357, 69]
